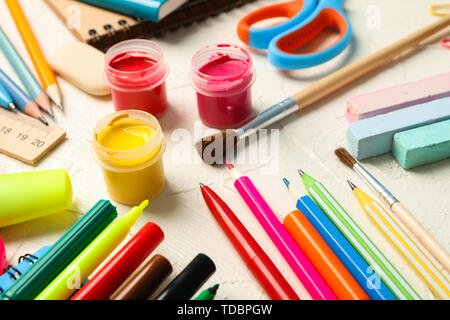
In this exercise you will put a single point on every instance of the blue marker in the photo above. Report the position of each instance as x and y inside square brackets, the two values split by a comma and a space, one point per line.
[350, 258]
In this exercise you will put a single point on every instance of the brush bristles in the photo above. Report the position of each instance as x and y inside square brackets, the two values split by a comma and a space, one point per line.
[345, 157]
[213, 148]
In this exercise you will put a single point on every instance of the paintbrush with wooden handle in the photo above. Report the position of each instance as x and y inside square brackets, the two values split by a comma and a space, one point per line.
[397, 208]
[209, 146]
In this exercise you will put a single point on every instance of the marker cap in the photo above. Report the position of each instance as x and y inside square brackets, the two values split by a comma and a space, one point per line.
[30, 195]
[147, 279]
[186, 284]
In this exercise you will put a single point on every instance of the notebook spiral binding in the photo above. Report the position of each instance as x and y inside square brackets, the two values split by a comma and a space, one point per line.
[191, 12]
[29, 257]
[11, 274]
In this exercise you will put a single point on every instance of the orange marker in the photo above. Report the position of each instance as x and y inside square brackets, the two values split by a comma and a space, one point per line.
[335, 274]
[338, 278]
[45, 73]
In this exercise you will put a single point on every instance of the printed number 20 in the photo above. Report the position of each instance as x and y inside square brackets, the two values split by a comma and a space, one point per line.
[38, 143]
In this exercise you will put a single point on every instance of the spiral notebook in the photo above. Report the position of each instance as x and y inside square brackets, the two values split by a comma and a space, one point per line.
[24, 264]
[153, 10]
[102, 28]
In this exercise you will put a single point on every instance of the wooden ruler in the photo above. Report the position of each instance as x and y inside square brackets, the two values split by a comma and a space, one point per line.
[25, 138]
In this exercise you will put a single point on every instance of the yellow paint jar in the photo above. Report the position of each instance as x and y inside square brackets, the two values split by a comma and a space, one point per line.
[129, 146]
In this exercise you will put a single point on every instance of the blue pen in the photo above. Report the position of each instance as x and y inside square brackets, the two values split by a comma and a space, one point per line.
[350, 258]
[5, 99]
[25, 263]
[29, 81]
[153, 10]
[21, 99]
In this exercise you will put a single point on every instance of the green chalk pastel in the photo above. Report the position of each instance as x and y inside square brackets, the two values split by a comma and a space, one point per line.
[423, 145]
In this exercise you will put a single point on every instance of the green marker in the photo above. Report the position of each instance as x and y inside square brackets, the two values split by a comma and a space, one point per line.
[62, 253]
[359, 240]
[208, 294]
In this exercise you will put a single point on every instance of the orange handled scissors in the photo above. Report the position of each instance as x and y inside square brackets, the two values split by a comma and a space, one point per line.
[306, 20]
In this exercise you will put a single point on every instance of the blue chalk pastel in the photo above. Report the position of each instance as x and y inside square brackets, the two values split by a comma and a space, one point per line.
[374, 136]
[348, 255]
[423, 145]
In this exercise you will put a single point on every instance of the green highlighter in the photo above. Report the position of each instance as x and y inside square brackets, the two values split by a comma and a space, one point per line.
[62, 253]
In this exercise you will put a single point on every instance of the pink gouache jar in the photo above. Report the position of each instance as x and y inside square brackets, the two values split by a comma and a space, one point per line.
[136, 72]
[222, 76]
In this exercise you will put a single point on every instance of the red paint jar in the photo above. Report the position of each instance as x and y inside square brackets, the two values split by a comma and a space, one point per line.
[222, 76]
[136, 72]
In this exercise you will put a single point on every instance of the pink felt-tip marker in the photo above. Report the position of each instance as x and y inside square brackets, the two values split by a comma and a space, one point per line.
[2, 256]
[294, 256]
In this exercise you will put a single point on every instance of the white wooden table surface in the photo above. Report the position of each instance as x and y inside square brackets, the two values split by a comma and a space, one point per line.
[307, 141]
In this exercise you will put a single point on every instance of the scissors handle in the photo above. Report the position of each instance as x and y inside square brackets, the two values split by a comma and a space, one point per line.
[329, 14]
[259, 38]
[439, 10]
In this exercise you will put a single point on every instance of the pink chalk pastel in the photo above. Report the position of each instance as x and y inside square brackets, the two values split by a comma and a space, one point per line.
[405, 95]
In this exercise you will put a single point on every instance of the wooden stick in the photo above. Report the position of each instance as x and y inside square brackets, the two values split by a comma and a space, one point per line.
[419, 231]
[348, 74]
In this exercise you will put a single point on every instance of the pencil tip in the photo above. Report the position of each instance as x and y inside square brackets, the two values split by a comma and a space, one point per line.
[61, 106]
[351, 185]
[286, 182]
[229, 164]
[201, 185]
[50, 112]
[301, 172]
[43, 120]
[12, 107]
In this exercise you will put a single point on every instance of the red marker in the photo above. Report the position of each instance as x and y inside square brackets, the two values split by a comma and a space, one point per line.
[253, 255]
[106, 281]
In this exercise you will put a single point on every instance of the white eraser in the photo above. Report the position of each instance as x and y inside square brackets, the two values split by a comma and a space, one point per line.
[82, 65]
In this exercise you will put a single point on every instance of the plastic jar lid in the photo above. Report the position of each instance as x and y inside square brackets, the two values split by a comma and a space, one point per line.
[145, 79]
[133, 159]
[221, 85]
